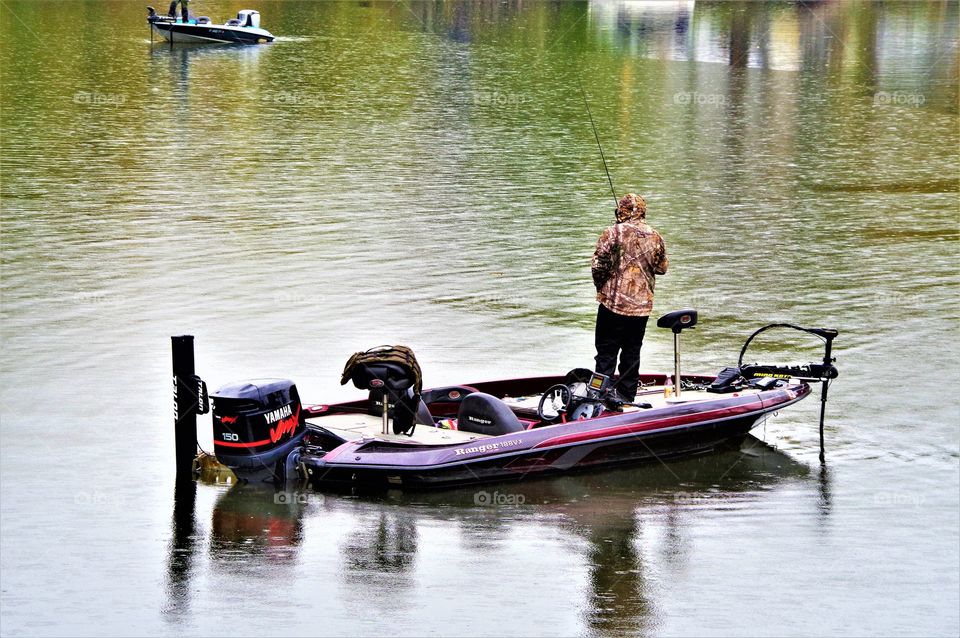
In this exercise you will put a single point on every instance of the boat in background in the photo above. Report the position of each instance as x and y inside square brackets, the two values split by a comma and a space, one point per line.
[244, 29]
[401, 435]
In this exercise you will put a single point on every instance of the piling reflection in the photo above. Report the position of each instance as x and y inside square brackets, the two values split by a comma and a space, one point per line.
[182, 552]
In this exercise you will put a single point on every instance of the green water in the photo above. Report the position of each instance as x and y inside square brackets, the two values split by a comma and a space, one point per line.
[425, 173]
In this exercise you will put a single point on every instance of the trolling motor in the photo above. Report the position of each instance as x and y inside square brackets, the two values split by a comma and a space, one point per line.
[766, 375]
[153, 16]
[824, 373]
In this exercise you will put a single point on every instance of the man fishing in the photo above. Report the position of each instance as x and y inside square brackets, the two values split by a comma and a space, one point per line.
[628, 257]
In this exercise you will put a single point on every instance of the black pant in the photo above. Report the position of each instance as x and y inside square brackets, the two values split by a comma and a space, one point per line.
[619, 333]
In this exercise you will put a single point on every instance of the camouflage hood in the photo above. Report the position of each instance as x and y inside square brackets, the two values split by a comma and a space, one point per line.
[632, 207]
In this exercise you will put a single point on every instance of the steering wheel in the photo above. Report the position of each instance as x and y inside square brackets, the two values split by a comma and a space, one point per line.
[554, 402]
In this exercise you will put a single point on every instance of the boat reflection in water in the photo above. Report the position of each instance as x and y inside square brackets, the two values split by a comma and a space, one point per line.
[625, 527]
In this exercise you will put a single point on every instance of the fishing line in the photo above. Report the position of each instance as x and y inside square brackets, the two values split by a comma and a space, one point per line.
[616, 201]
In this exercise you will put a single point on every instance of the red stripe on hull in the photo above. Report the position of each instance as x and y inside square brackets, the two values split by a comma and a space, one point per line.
[578, 437]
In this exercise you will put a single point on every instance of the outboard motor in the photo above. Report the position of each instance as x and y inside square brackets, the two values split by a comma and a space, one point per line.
[256, 424]
[249, 18]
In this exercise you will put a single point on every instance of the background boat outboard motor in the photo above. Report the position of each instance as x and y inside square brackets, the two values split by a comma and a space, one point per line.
[256, 424]
[249, 18]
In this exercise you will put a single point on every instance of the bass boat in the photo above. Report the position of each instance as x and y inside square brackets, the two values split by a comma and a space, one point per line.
[244, 29]
[400, 435]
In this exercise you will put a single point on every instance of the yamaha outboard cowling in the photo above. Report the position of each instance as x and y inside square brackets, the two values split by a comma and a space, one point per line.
[256, 424]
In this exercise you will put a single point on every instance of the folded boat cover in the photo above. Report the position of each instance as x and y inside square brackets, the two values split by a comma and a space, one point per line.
[401, 355]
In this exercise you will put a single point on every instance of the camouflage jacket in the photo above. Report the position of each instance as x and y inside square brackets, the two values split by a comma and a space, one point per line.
[628, 257]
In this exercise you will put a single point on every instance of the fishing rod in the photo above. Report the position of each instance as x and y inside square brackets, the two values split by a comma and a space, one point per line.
[616, 201]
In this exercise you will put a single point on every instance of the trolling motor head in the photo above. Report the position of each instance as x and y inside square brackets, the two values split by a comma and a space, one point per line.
[823, 372]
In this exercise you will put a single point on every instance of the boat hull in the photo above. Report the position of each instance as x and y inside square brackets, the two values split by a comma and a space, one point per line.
[616, 440]
[211, 33]
[654, 447]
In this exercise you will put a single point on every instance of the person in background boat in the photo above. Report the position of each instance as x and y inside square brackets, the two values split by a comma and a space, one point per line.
[629, 256]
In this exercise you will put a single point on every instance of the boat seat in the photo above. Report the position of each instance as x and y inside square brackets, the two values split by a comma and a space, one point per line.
[678, 320]
[204, 20]
[393, 376]
[397, 381]
[450, 394]
[233, 22]
[411, 406]
[484, 413]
